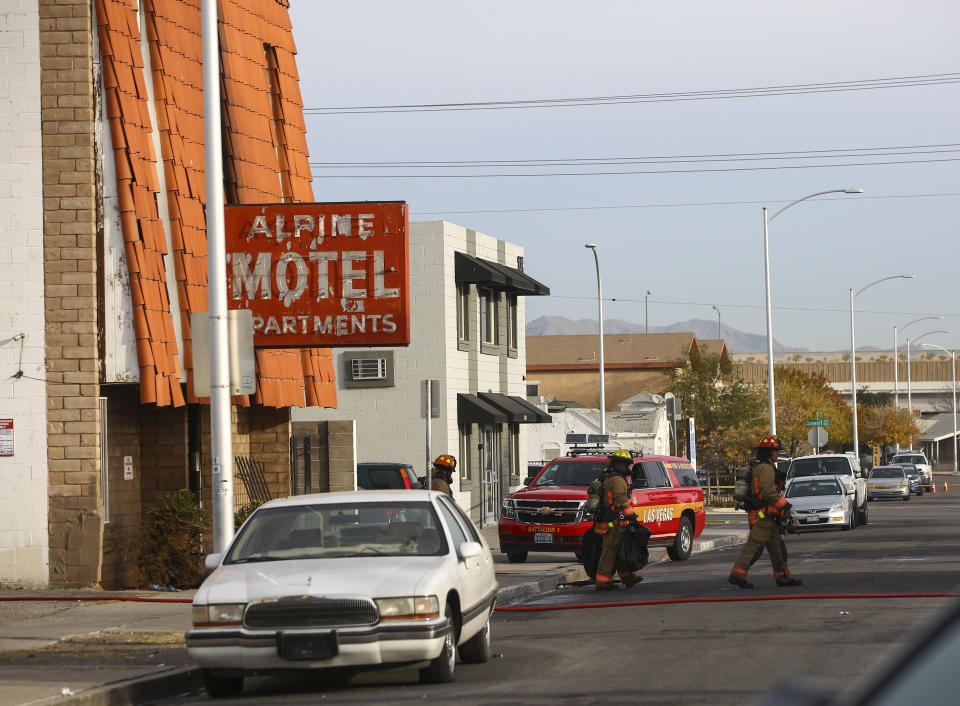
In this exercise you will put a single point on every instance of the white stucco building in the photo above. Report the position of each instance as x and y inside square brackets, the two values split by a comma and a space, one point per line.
[23, 387]
[467, 334]
[640, 425]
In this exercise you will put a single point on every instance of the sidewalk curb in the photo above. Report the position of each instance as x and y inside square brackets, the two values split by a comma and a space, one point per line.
[139, 690]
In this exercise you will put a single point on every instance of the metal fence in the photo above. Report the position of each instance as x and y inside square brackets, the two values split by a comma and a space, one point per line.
[253, 485]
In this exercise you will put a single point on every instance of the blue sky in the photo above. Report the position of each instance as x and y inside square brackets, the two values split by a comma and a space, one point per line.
[690, 256]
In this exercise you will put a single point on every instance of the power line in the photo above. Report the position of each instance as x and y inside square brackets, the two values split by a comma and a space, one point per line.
[840, 310]
[717, 94]
[668, 205]
[590, 161]
[631, 172]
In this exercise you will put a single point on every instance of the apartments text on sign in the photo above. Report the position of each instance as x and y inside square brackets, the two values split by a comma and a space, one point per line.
[321, 274]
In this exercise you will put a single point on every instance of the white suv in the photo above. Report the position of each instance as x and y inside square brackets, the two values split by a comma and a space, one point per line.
[918, 459]
[847, 469]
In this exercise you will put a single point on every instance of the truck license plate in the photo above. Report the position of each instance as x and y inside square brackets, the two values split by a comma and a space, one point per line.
[543, 538]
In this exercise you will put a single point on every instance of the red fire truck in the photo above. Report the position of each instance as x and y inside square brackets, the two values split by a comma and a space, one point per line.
[548, 515]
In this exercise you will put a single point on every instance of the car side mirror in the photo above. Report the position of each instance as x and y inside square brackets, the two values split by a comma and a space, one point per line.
[468, 550]
[527, 481]
[212, 561]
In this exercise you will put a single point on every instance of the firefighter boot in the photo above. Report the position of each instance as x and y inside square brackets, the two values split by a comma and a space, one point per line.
[789, 582]
[739, 581]
[631, 580]
[606, 586]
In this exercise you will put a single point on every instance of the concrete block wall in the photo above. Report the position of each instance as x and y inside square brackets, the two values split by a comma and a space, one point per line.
[23, 476]
[70, 274]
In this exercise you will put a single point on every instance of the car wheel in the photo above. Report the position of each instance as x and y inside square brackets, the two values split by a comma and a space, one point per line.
[862, 515]
[442, 670]
[851, 522]
[476, 650]
[579, 556]
[682, 546]
[516, 557]
[221, 687]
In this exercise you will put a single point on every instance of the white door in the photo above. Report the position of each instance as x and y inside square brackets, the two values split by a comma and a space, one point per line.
[490, 482]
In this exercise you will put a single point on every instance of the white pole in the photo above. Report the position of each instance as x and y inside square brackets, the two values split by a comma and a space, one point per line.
[853, 381]
[428, 386]
[909, 396]
[953, 381]
[603, 399]
[896, 365]
[221, 442]
[771, 400]
[646, 312]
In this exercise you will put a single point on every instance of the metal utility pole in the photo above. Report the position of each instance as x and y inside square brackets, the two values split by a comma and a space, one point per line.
[221, 441]
[646, 312]
[603, 398]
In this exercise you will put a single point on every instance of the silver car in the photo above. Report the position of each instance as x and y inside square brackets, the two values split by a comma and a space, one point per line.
[888, 482]
[820, 501]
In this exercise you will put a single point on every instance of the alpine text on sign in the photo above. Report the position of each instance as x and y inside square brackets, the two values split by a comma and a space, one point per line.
[321, 274]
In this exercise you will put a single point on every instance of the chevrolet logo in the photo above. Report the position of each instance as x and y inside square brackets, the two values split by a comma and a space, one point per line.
[545, 511]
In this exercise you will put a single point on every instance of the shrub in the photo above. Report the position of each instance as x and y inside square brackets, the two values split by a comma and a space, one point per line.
[168, 547]
[244, 511]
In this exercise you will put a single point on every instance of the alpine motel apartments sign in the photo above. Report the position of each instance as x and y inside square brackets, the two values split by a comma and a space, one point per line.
[321, 274]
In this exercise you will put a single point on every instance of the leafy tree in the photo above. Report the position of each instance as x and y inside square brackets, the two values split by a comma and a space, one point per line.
[868, 398]
[885, 424]
[801, 396]
[713, 397]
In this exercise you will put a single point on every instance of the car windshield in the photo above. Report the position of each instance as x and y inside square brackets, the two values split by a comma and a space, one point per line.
[908, 468]
[819, 467]
[912, 458]
[887, 472]
[324, 530]
[570, 473]
[806, 488]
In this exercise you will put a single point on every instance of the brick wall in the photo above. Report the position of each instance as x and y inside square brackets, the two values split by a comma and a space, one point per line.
[163, 444]
[123, 439]
[70, 271]
[23, 476]
[269, 439]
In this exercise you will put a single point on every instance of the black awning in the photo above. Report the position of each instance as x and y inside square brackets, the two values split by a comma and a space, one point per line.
[472, 410]
[476, 270]
[518, 409]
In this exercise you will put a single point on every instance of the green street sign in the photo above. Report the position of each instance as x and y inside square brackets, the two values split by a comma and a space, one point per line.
[817, 422]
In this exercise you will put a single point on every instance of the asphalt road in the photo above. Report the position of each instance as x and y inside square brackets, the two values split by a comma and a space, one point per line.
[697, 653]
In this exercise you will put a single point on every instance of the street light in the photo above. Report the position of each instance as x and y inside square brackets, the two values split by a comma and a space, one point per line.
[717, 309]
[909, 392]
[853, 356]
[646, 312]
[603, 410]
[896, 360]
[766, 270]
[953, 381]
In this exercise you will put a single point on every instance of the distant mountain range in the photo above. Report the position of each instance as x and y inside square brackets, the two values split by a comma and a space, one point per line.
[737, 341]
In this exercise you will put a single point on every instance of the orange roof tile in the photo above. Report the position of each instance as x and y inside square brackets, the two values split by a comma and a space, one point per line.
[263, 117]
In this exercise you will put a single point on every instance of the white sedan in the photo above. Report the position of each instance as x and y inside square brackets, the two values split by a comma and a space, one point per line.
[346, 580]
[820, 501]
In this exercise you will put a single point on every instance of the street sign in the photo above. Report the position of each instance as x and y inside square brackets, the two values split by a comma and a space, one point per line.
[817, 422]
[817, 437]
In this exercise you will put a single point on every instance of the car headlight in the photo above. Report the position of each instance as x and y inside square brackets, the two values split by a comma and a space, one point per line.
[836, 508]
[217, 614]
[408, 608]
[509, 510]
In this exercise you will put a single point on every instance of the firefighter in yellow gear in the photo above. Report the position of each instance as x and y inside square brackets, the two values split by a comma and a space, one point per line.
[615, 515]
[765, 507]
[443, 469]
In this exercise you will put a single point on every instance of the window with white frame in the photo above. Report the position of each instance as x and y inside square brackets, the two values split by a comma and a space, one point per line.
[512, 321]
[466, 472]
[489, 316]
